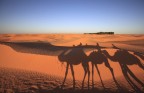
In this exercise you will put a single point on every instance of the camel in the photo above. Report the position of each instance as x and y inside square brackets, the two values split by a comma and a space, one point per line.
[75, 57]
[125, 58]
[99, 58]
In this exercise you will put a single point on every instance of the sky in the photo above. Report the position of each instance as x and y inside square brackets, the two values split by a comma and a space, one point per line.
[72, 16]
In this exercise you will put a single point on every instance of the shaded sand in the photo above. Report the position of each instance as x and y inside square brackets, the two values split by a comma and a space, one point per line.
[35, 69]
[51, 64]
[139, 42]
[69, 39]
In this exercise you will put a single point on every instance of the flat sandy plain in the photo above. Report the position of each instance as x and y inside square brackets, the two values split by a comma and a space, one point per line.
[34, 73]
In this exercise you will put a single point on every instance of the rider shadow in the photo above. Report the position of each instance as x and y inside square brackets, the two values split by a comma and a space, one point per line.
[125, 58]
[97, 57]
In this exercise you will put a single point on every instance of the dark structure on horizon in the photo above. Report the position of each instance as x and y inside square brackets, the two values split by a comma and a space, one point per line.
[101, 33]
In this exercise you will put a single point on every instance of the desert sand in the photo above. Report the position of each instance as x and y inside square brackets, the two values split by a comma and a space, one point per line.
[37, 73]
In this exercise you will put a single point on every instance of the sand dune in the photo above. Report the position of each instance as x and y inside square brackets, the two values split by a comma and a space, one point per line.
[44, 73]
[66, 39]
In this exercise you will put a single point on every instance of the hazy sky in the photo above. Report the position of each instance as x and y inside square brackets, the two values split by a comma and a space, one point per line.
[71, 16]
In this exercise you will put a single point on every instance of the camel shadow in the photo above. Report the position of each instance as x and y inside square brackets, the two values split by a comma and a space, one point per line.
[124, 58]
[97, 57]
[77, 56]
[73, 57]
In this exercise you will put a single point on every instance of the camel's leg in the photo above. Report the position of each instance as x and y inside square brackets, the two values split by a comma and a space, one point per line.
[66, 72]
[88, 75]
[92, 75]
[85, 72]
[111, 70]
[141, 65]
[72, 70]
[99, 75]
[125, 73]
[132, 74]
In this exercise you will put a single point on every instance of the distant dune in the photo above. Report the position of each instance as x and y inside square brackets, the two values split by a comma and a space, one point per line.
[69, 39]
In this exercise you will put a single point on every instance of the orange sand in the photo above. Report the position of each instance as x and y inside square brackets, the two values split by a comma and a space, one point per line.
[51, 64]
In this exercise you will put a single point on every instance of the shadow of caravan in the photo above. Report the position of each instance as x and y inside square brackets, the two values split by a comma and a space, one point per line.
[75, 57]
[125, 58]
[97, 57]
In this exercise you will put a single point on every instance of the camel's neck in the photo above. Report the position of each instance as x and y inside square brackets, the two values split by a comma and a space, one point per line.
[113, 58]
[62, 57]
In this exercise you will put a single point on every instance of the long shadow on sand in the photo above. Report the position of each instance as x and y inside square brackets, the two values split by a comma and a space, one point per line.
[74, 57]
[125, 58]
[97, 57]
[77, 56]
